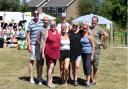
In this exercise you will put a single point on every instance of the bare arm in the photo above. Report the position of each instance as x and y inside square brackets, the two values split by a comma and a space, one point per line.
[105, 34]
[38, 39]
[93, 46]
[28, 41]
[44, 44]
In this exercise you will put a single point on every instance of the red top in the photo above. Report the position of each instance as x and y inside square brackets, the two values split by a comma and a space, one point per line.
[52, 48]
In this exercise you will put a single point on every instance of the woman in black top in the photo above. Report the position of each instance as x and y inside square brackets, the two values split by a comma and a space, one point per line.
[75, 50]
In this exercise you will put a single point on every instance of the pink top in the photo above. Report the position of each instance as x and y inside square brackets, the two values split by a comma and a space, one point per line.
[52, 48]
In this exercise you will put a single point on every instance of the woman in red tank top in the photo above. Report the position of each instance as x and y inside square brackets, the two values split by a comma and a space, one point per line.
[51, 51]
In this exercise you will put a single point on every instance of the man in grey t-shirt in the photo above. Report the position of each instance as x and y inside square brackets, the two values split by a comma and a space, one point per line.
[40, 39]
[97, 32]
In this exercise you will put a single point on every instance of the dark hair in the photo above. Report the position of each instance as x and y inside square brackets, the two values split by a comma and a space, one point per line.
[96, 18]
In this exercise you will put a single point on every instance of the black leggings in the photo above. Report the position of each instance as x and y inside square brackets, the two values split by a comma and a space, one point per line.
[86, 59]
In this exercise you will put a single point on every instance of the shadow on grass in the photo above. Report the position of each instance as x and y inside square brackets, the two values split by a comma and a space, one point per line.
[57, 80]
[81, 81]
[24, 78]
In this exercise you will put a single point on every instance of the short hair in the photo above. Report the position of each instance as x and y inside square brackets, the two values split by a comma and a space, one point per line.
[96, 18]
[35, 10]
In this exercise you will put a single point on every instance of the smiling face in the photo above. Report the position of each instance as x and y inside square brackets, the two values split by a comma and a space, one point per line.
[94, 21]
[53, 24]
[46, 20]
[63, 28]
[36, 14]
[85, 27]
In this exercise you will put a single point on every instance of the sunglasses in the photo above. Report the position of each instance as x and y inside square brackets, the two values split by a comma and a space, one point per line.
[36, 13]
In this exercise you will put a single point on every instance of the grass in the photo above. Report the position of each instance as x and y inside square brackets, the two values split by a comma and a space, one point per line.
[14, 74]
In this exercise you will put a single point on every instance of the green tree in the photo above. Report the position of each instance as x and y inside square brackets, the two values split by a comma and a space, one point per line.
[9, 5]
[24, 8]
[87, 7]
[115, 10]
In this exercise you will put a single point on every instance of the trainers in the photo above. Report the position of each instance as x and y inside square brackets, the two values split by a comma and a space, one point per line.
[75, 83]
[87, 86]
[32, 80]
[40, 82]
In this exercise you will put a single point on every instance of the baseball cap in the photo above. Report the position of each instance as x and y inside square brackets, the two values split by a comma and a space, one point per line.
[63, 15]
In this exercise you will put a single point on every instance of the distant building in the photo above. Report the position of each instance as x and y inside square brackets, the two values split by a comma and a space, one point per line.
[56, 7]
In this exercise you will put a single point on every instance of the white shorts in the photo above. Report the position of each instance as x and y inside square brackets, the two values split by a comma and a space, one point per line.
[36, 52]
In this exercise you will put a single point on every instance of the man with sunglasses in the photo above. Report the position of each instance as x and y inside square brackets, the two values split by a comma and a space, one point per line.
[34, 26]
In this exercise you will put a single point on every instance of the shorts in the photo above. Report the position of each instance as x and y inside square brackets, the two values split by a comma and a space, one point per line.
[86, 59]
[64, 54]
[74, 58]
[96, 58]
[36, 53]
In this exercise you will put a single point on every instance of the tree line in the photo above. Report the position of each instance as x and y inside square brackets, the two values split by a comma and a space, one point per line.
[115, 10]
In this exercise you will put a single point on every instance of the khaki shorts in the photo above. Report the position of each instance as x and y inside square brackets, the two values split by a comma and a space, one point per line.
[96, 58]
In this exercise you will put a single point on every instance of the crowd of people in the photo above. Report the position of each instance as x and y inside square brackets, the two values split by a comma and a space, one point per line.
[67, 44]
[10, 32]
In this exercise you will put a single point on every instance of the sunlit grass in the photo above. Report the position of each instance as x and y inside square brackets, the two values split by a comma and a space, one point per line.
[112, 72]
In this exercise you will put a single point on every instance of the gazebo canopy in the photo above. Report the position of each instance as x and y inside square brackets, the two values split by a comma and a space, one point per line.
[88, 18]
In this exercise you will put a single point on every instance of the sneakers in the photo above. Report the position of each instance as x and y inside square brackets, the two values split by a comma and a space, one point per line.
[40, 82]
[75, 83]
[32, 81]
[87, 85]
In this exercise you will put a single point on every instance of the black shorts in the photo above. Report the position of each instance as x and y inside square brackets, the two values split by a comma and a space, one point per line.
[64, 54]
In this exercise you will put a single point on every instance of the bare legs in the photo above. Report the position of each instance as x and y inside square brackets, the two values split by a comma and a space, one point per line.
[75, 69]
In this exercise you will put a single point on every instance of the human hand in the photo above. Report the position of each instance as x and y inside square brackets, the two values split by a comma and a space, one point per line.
[30, 49]
[92, 58]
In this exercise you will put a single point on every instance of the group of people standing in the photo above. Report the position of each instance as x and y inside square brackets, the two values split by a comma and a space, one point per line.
[66, 43]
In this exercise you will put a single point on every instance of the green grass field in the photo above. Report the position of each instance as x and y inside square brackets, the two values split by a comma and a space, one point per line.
[112, 72]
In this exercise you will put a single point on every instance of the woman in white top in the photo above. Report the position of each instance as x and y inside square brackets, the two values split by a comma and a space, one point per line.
[64, 54]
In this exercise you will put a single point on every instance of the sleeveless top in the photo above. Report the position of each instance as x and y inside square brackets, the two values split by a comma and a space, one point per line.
[52, 48]
[65, 44]
[86, 45]
[75, 48]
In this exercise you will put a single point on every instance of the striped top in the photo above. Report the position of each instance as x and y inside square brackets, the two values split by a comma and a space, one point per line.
[33, 28]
